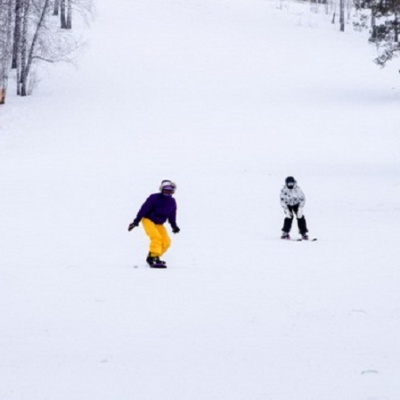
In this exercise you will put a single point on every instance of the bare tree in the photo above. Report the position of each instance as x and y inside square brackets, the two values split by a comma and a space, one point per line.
[23, 64]
[6, 14]
[36, 38]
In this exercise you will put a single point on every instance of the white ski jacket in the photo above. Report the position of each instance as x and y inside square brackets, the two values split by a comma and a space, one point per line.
[291, 197]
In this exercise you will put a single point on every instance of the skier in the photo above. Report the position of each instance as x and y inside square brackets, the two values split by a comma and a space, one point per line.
[292, 201]
[155, 211]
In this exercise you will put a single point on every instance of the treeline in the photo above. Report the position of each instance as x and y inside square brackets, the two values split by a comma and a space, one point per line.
[380, 17]
[34, 31]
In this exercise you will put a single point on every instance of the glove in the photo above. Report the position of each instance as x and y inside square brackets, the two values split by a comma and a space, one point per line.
[132, 225]
[176, 230]
[300, 213]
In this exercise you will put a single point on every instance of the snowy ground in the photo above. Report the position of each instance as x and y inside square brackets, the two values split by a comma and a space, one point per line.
[227, 98]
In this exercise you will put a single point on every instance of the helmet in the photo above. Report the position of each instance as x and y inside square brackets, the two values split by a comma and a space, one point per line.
[290, 182]
[167, 187]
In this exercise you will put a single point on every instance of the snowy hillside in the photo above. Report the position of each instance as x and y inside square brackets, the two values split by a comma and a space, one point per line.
[227, 98]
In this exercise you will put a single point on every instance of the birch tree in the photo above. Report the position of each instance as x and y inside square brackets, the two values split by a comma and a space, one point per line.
[36, 38]
[6, 14]
[32, 29]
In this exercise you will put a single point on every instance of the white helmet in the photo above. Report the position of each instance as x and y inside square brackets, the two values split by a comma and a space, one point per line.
[167, 186]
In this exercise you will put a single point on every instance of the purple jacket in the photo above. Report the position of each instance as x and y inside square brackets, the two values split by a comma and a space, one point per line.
[158, 208]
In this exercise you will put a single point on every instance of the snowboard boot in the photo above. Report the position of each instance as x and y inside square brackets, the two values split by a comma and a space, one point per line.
[155, 262]
[285, 235]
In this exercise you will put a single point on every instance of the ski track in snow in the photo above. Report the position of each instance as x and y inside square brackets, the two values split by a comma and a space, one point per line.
[226, 98]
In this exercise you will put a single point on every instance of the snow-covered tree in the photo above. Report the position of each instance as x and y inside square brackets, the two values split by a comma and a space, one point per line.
[385, 21]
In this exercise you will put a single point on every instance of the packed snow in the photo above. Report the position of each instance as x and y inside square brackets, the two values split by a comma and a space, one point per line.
[226, 98]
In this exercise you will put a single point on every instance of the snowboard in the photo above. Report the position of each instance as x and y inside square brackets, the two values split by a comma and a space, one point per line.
[147, 265]
[300, 240]
[158, 265]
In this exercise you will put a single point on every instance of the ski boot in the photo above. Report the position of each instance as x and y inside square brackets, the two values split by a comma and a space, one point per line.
[285, 235]
[304, 236]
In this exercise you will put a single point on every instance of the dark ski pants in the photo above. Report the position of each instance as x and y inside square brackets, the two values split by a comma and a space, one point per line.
[301, 222]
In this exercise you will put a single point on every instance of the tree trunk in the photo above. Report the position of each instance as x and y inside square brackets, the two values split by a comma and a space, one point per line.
[22, 65]
[2, 96]
[56, 8]
[373, 27]
[69, 14]
[17, 32]
[63, 17]
[341, 19]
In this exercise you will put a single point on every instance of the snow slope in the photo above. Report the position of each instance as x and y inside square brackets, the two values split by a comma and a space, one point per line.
[227, 98]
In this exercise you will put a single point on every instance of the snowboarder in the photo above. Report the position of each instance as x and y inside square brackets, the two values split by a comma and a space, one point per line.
[155, 211]
[293, 201]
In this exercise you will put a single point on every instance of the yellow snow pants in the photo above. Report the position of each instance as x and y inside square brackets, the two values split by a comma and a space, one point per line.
[159, 238]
